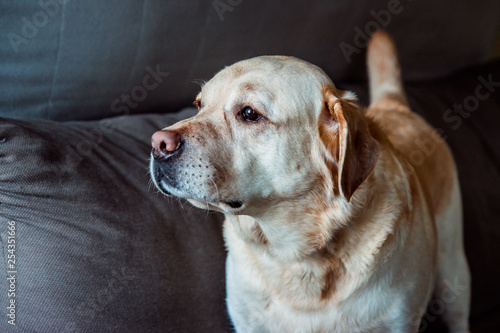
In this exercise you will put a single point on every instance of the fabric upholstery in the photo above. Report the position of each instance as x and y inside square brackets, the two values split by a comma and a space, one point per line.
[73, 60]
[100, 251]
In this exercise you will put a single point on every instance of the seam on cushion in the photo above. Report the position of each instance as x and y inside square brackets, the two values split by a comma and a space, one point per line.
[141, 34]
[56, 69]
[200, 47]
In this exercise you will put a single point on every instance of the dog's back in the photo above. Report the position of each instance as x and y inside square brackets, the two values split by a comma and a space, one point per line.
[432, 162]
[410, 135]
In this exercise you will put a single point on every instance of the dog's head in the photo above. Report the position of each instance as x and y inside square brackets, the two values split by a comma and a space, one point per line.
[270, 132]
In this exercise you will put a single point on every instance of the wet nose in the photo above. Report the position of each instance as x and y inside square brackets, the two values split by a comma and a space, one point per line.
[165, 142]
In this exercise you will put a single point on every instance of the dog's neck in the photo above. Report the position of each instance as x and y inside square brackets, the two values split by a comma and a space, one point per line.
[325, 243]
[293, 232]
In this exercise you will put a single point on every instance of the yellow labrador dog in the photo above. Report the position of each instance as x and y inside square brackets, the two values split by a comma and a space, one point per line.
[338, 218]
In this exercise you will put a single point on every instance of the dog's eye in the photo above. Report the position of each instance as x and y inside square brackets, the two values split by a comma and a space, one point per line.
[250, 114]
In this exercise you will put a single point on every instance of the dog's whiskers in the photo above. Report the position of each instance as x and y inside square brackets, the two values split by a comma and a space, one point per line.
[216, 189]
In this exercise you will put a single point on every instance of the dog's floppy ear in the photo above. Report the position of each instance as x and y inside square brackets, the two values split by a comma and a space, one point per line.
[347, 139]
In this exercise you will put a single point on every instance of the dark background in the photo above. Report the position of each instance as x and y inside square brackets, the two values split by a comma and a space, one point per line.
[98, 249]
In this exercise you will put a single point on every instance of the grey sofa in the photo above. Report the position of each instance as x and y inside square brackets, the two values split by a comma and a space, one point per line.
[84, 84]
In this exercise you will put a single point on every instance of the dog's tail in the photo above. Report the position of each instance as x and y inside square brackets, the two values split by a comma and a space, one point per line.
[383, 69]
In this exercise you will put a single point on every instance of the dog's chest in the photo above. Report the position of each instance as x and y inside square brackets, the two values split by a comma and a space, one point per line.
[263, 297]
[255, 307]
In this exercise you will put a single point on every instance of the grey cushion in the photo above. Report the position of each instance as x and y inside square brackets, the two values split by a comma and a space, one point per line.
[82, 59]
[98, 249]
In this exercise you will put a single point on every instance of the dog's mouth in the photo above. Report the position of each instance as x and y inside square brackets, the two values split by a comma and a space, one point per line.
[158, 177]
[234, 204]
[231, 206]
[164, 190]
[165, 181]
[227, 207]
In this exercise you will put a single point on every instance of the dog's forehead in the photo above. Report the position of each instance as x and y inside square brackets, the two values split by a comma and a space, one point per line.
[287, 80]
[271, 69]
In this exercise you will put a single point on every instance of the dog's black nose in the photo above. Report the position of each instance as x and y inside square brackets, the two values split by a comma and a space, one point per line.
[165, 142]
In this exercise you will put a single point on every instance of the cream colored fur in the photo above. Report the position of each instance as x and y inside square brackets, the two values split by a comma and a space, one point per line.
[350, 218]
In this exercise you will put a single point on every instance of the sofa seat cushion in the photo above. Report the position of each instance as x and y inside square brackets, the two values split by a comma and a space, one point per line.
[98, 249]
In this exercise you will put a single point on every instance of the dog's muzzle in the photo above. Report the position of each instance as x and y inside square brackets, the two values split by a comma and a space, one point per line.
[177, 170]
[167, 146]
